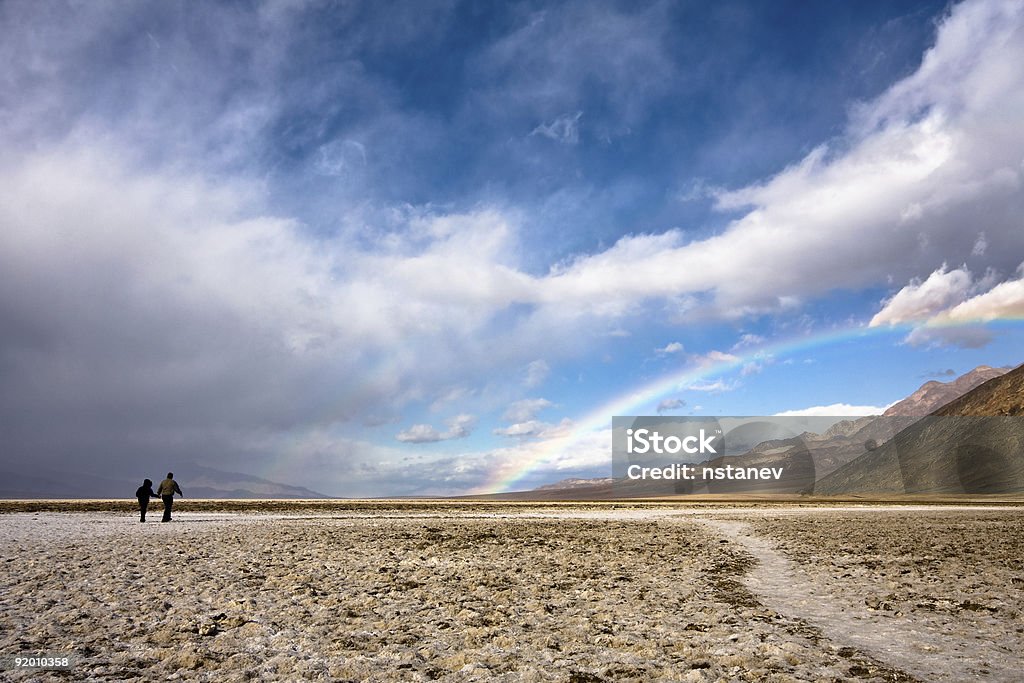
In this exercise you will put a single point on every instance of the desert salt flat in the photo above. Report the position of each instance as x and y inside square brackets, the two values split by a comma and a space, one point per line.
[589, 593]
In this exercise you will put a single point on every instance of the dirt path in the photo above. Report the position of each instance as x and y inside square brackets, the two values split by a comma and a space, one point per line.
[932, 649]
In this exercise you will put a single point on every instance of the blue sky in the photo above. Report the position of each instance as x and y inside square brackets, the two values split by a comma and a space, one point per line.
[395, 248]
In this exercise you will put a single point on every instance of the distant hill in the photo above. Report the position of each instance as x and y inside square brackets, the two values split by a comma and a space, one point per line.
[205, 482]
[575, 484]
[974, 444]
[196, 480]
[933, 395]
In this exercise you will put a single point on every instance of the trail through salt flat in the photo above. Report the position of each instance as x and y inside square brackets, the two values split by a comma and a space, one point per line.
[932, 649]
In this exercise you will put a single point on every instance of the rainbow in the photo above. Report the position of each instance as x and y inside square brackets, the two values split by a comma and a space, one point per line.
[507, 475]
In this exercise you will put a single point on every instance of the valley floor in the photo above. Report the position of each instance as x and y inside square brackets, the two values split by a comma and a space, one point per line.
[570, 593]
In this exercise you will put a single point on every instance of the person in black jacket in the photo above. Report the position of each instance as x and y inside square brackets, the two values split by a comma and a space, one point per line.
[144, 493]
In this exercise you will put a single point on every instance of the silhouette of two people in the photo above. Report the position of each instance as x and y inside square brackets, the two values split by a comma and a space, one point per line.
[168, 487]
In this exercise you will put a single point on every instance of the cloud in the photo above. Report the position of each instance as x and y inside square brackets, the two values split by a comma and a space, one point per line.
[459, 427]
[980, 245]
[944, 305]
[713, 358]
[835, 409]
[752, 368]
[419, 433]
[697, 190]
[564, 129]
[760, 361]
[670, 348]
[522, 415]
[536, 372]
[1005, 300]
[526, 409]
[670, 404]
[839, 218]
[748, 340]
[559, 58]
[717, 387]
[523, 429]
[450, 395]
[921, 300]
[535, 429]
[962, 337]
[339, 157]
[207, 238]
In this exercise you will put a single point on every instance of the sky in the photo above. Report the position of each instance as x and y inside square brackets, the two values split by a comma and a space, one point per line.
[431, 248]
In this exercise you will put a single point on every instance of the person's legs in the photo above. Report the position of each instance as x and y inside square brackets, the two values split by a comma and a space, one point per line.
[168, 501]
[143, 504]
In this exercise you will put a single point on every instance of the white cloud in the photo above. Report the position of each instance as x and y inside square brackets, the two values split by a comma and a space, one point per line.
[535, 429]
[1005, 300]
[459, 427]
[670, 348]
[944, 306]
[748, 340]
[751, 368]
[419, 433]
[670, 404]
[341, 157]
[717, 387]
[972, 337]
[713, 358]
[921, 300]
[552, 453]
[564, 129]
[526, 409]
[835, 409]
[521, 429]
[760, 361]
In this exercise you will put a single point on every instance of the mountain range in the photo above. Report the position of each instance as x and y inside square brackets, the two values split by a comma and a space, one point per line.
[933, 395]
[974, 444]
[196, 480]
[945, 437]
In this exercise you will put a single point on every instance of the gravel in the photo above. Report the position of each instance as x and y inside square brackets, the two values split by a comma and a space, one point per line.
[503, 595]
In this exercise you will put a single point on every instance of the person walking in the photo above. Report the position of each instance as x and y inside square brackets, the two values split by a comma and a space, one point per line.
[144, 493]
[168, 487]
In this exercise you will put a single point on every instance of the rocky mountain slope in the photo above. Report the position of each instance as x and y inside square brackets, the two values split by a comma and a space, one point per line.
[972, 445]
[933, 395]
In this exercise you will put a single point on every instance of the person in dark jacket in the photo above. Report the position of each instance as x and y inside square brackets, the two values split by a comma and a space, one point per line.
[144, 493]
[168, 487]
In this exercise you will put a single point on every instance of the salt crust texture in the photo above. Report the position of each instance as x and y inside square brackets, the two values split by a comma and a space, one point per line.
[629, 595]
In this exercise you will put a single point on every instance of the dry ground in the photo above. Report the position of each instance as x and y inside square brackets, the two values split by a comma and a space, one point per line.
[523, 593]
